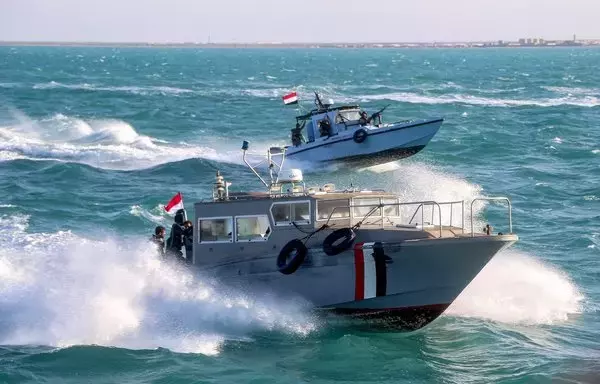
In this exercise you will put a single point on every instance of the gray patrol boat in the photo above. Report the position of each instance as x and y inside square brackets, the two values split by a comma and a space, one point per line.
[362, 253]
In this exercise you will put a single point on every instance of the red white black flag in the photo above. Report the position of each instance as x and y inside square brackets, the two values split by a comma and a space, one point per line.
[290, 98]
[175, 203]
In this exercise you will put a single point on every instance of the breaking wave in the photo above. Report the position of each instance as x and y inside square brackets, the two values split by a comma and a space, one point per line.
[102, 143]
[59, 289]
[575, 96]
[579, 97]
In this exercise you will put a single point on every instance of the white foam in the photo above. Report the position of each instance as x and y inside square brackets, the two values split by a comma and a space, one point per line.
[9, 85]
[158, 215]
[517, 288]
[266, 93]
[272, 92]
[60, 289]
[407, 97]
[514, 287]
[573, 90]
[136, 90]
[102, 143]
[414, 182]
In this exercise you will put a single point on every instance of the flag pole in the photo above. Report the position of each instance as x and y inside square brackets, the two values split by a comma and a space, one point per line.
[300, 109]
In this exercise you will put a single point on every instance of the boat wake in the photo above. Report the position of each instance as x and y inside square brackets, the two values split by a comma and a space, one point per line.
[102, 143]
[515, 287]
[59, 289]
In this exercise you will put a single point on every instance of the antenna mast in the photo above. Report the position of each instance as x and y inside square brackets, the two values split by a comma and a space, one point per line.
[274, 166]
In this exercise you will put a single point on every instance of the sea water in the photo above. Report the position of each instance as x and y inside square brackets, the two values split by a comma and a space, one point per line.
[94, 142]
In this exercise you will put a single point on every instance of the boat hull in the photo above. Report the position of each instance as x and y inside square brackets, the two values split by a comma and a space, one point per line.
[416, 284]
[393, 319]
[382, 145]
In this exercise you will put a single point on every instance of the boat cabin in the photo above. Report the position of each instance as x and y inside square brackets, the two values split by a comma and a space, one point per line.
[247, 226]
[322, 124]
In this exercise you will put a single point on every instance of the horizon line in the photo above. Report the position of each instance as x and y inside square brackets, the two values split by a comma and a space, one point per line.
[97, 42]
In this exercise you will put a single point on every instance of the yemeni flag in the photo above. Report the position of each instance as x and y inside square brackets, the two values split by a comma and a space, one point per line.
[175, 203]
[290, 98]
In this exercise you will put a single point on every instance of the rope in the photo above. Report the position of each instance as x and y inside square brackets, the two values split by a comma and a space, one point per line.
[309, 234]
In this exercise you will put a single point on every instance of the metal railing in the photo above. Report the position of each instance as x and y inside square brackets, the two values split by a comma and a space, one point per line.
[450, 203]
[382, 205]
[421, 206]
[492, 199]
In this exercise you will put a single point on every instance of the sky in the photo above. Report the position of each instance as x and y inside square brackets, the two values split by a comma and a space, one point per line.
[250, 21]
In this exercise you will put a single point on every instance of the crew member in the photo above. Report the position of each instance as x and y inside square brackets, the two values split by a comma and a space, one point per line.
[325, 127]
[175, 241]
[158, 238]
[188, 240]
[364, 119]
[297, 137]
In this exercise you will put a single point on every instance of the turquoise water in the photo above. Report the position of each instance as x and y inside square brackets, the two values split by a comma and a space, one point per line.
[94, 140]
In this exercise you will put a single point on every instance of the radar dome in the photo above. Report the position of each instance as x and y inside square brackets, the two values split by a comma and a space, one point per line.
[291, 176]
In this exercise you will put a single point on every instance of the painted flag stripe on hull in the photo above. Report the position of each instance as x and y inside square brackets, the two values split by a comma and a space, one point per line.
[370, 271]
[365, 286]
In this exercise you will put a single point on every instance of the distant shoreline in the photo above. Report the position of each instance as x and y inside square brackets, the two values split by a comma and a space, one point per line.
[500, 44]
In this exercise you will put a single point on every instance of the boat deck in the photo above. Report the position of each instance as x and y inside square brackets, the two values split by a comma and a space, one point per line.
[433, 231]
[451, 231]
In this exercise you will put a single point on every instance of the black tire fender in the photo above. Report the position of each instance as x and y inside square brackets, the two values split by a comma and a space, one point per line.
[294, 249]
[331, 244]
[360, 135]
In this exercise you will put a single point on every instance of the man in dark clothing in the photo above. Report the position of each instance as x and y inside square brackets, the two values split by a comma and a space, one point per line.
[175, 241]
[188, 240]
[297, 137]
[325, 127]
[364, 119]
[159, 239]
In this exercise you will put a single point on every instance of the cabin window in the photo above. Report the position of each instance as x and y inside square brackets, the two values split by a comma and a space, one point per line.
[347, 117]
[287, 212]
[215, 229]
[391, 210]
[252, 228]
[326, 207]
[281, 213]
[367, 204]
